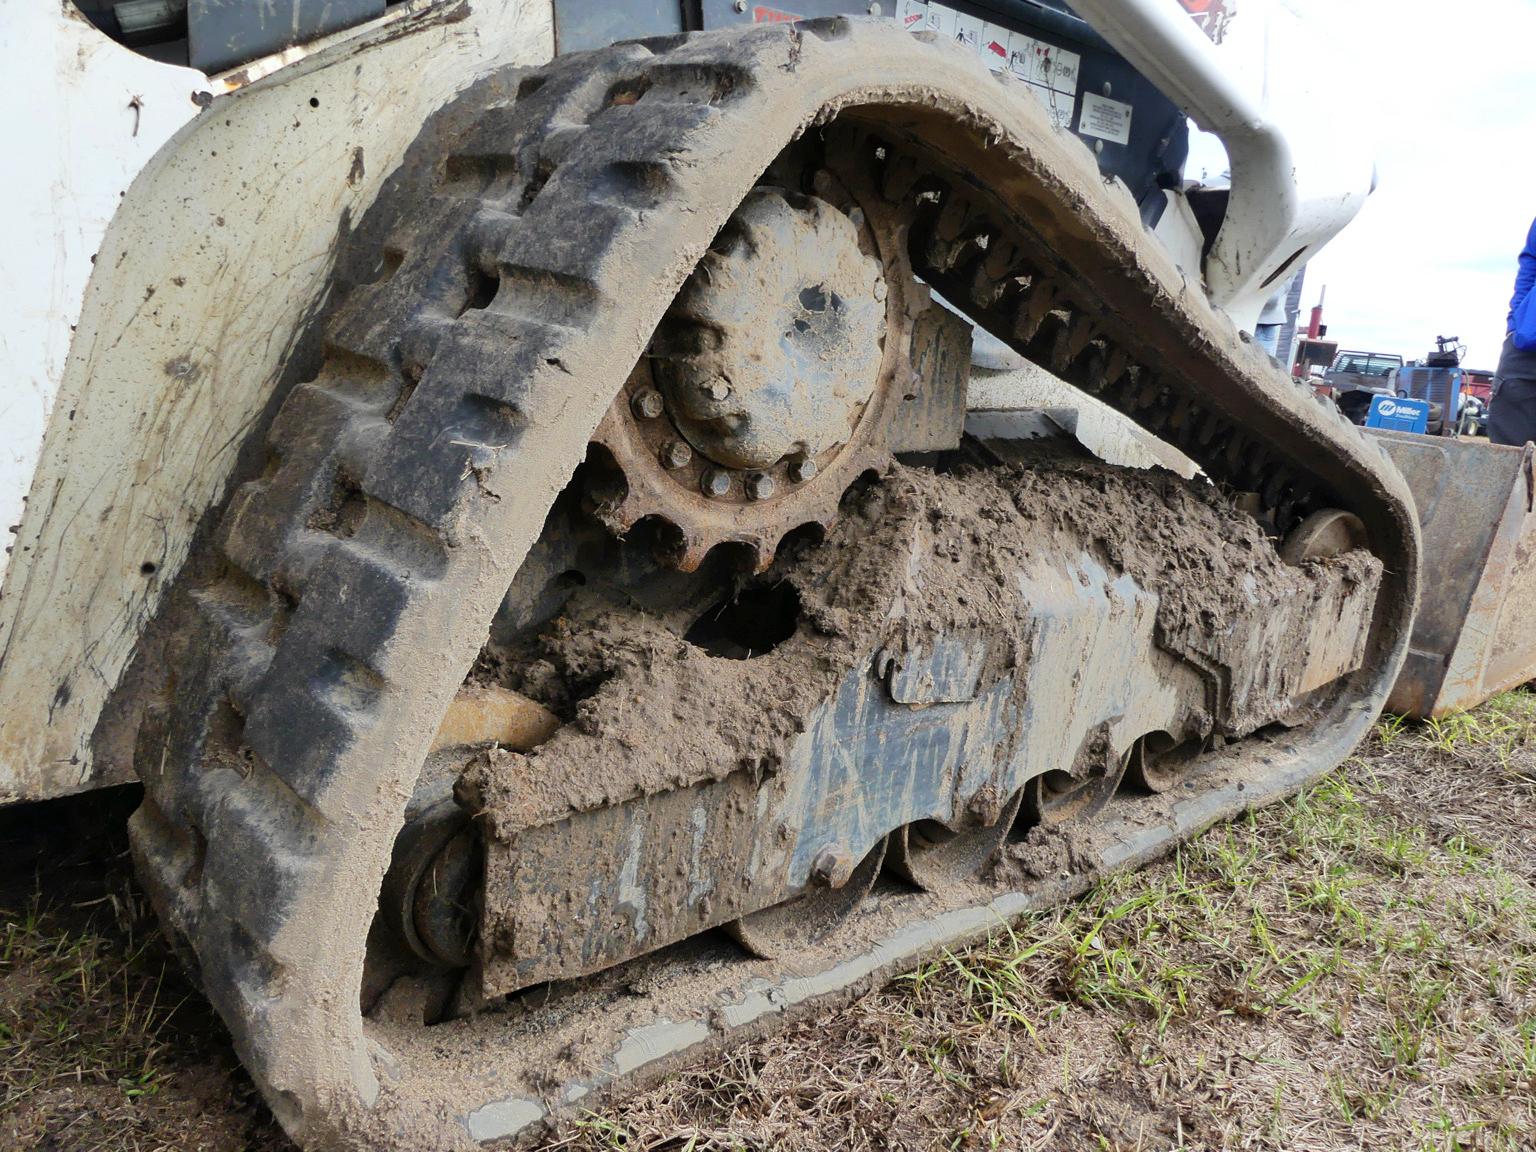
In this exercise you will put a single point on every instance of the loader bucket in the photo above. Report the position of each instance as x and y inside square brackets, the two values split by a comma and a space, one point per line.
[1475, 634]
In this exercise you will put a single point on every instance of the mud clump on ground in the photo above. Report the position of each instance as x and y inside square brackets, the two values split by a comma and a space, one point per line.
[1045, 853]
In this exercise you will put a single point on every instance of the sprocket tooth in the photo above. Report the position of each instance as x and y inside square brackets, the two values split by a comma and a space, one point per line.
[689, 552]
[763, 553]
[623, 516]
[1038, 302]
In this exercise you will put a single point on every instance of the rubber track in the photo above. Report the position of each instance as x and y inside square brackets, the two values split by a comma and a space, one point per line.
[358, 574]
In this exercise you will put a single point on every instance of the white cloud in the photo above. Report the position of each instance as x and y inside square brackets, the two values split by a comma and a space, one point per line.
[1451, 92]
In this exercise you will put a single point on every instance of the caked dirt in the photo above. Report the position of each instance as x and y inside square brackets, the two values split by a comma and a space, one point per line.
[916, 555]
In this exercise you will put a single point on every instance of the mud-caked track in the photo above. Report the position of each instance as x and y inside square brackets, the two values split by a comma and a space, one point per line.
[545, 222]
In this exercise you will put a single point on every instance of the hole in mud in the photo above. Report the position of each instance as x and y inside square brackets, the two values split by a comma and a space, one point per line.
[753, 622]
[148, 568]
[628, 91]
[797, 541]
[482, 290]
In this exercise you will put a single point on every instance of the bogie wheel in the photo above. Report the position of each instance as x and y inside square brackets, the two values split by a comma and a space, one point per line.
[1060, 797]
[836, 889]
[935, 856]
[1159, 760]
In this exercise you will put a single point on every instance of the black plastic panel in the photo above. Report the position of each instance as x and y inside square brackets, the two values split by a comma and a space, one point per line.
[1151, 155]
[584, 24]
[222, 34]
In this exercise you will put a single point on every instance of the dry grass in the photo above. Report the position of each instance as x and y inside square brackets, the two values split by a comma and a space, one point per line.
[1354, 969]
[103, 1043]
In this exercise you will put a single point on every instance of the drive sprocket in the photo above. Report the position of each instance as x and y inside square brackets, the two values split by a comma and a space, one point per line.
[771, 382]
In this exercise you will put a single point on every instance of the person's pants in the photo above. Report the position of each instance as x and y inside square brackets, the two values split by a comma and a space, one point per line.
[1512, 413]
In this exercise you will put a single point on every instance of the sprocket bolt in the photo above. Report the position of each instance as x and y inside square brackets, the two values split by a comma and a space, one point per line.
[801, 469]
[648, 404]
[716, 483]
[676, 454]
[760, 486]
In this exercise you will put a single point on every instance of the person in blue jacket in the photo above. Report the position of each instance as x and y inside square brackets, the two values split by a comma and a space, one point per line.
[1512, 416]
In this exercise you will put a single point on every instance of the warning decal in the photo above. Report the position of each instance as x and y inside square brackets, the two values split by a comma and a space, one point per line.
[1105, 118]
[1049, 71]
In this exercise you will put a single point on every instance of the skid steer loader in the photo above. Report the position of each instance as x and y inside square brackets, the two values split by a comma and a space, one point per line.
[509, 482]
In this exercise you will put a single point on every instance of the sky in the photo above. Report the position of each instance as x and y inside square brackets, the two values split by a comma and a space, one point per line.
[1451, 89]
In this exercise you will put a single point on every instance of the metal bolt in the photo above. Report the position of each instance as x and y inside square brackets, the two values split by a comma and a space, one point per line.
[716, 483]
[832, 866]
[740, 5]
[718, 390]
[676, 454]
[801, 469]
[874, 9]
[648, 404]
[759, 486]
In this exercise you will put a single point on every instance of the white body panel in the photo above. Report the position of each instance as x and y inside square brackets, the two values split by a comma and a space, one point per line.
[131, 382]
[226, 239]
[83, 116]
[1301, 169]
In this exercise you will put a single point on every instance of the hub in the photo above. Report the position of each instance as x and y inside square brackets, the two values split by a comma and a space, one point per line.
[777, 337]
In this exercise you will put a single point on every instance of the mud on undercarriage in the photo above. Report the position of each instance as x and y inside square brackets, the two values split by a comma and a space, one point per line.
[956, 637]
[960, 640]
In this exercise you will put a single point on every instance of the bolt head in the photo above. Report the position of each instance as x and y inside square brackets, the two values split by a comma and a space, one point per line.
[832, 866]
[740, 5]
[648, 404]
[718, 389]
[676, 454]
[801, 469]
[880, 289]
[760, 486]
[716, 482]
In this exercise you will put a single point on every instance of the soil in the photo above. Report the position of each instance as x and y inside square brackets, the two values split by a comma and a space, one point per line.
[104, 1043]
[133, 1059]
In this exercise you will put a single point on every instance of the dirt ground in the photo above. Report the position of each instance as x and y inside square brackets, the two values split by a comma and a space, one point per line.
[1354, 969]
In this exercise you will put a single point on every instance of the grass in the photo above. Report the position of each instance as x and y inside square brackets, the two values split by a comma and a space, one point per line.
[1353, 969]
[103, 1044]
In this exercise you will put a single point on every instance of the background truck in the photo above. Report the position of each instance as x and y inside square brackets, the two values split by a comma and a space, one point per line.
[1357, 378]
[510, 495]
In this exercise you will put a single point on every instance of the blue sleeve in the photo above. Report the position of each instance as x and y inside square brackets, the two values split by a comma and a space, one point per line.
[1525, 278]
